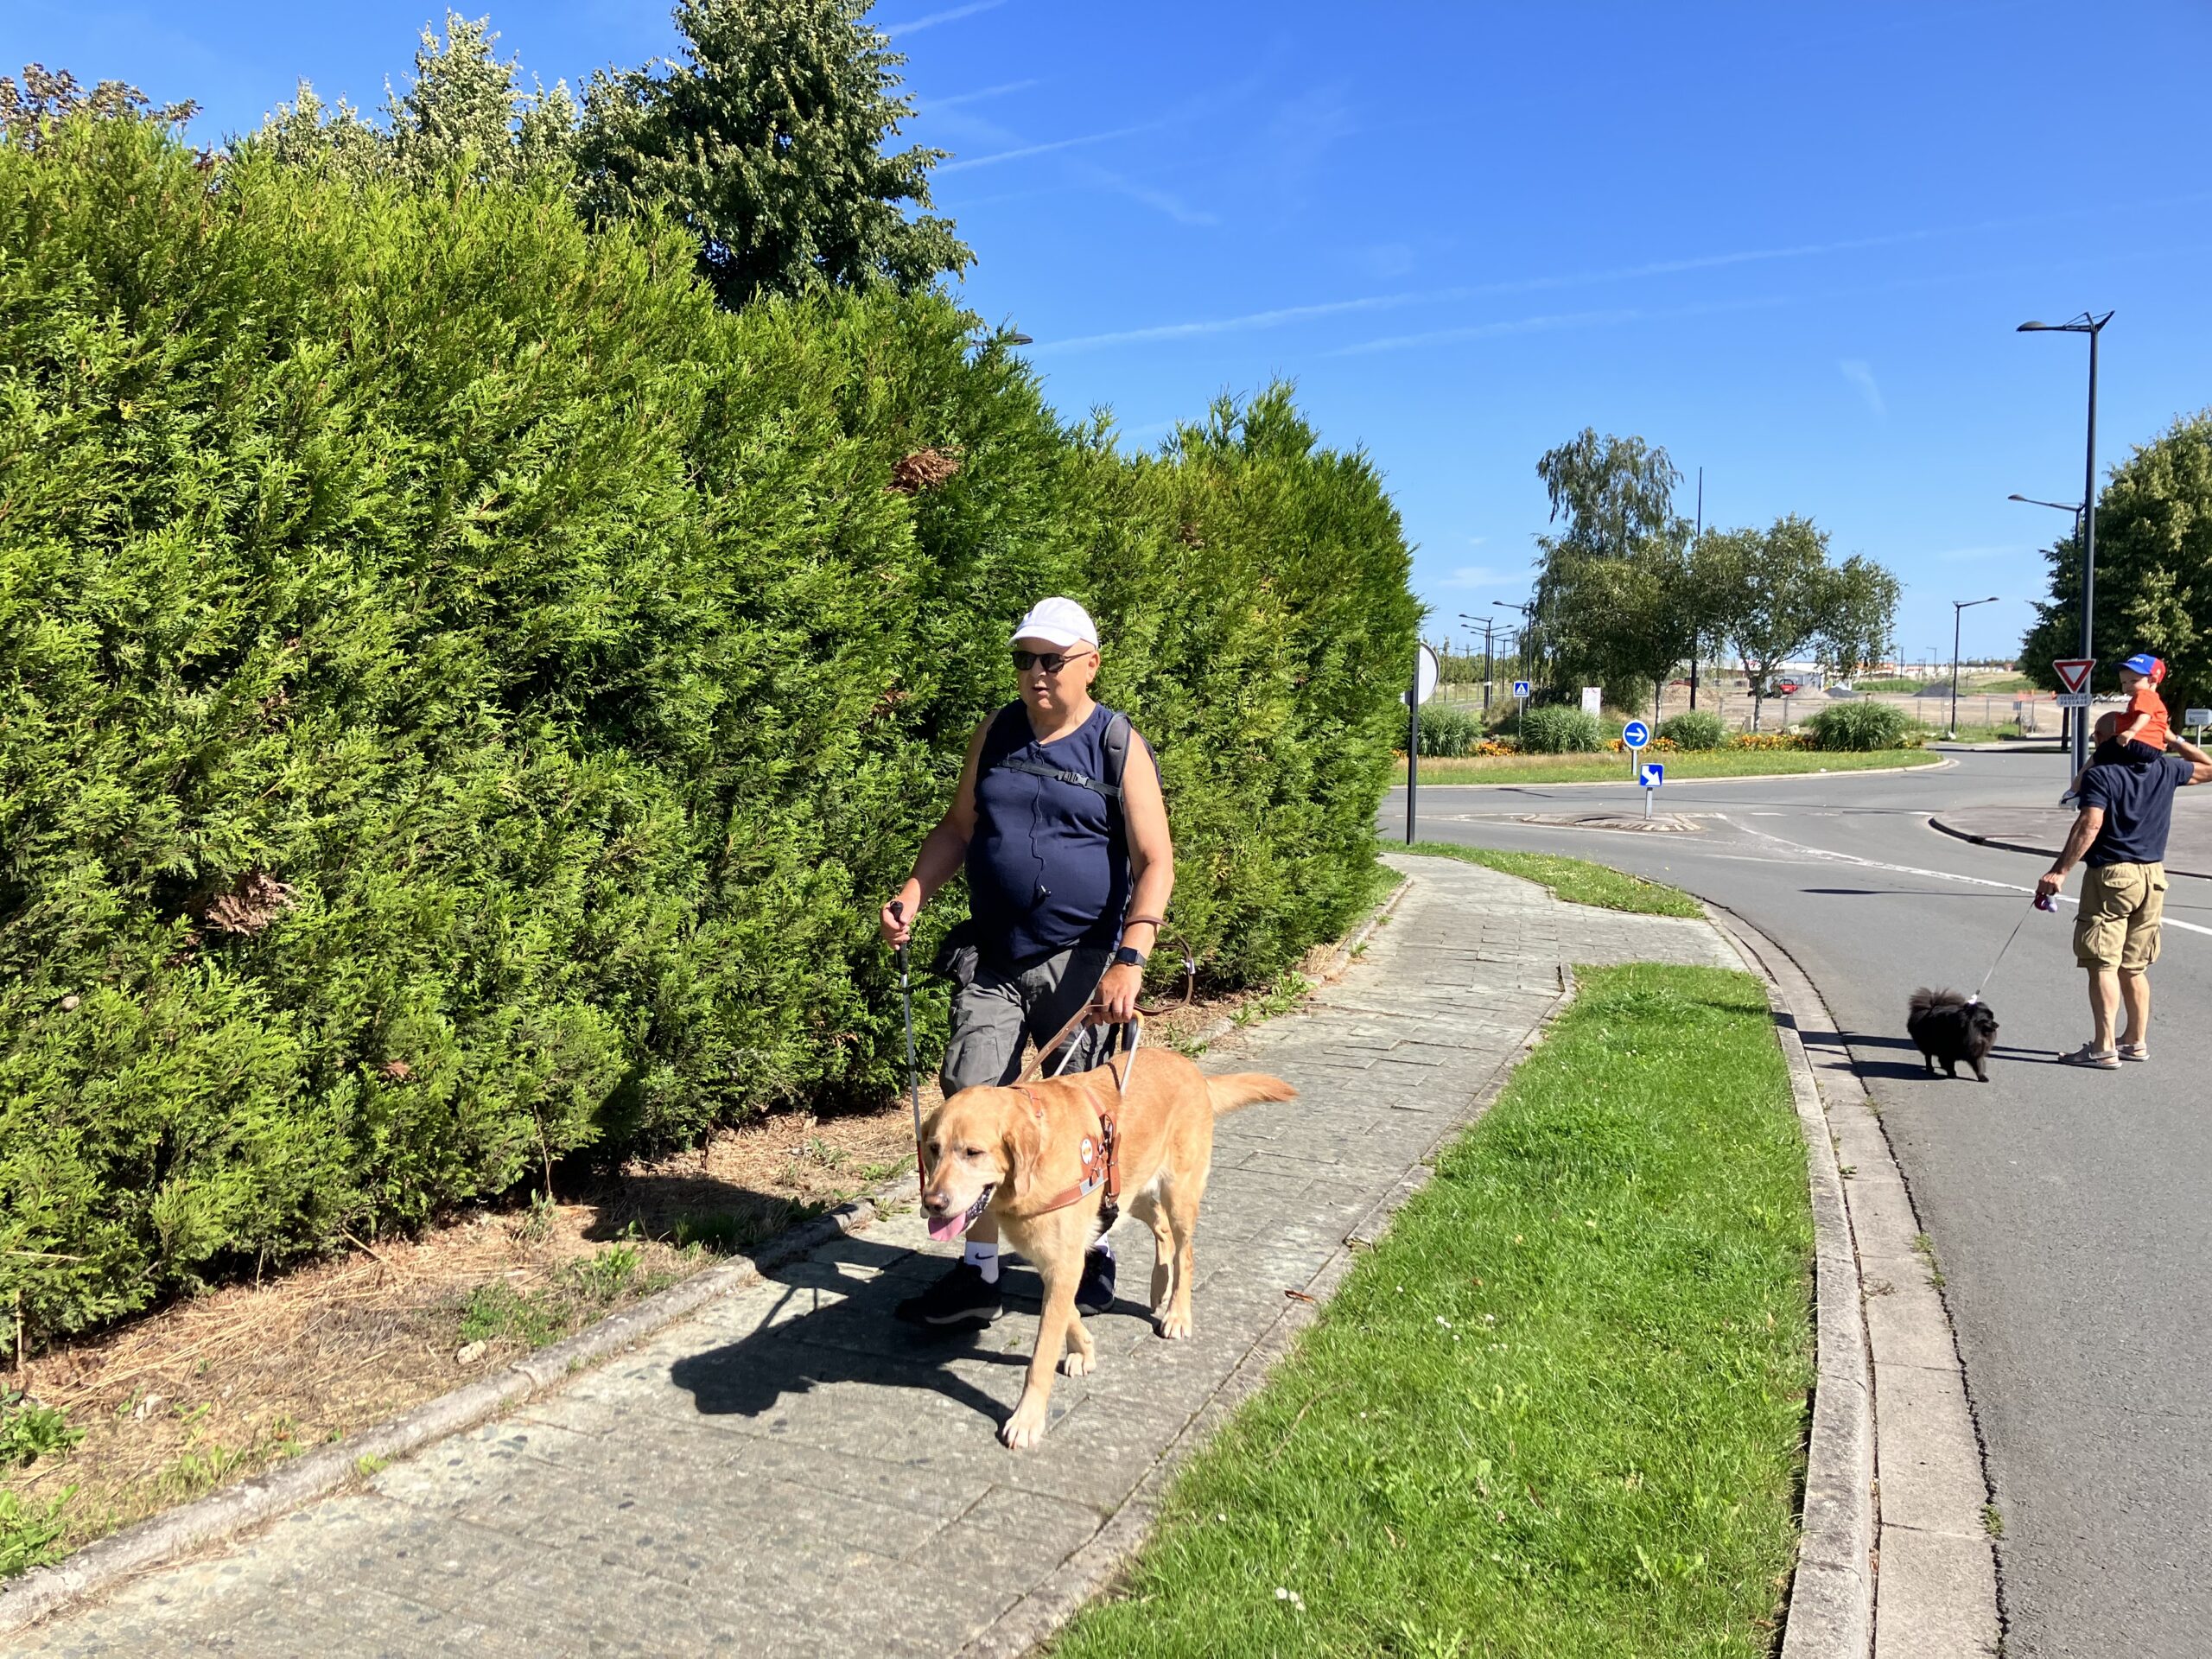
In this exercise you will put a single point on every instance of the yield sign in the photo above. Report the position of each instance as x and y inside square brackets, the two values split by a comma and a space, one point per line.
[2074, 671]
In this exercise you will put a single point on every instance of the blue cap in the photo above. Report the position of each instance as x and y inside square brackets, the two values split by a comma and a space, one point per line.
[2148, 666]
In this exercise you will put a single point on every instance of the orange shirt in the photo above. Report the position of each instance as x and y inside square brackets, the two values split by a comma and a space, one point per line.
[2147, 701]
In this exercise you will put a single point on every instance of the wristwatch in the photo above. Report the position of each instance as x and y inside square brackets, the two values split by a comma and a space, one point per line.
[1129, 956]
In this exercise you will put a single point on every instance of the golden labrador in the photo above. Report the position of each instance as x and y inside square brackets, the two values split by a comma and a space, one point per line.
[1034, 1156]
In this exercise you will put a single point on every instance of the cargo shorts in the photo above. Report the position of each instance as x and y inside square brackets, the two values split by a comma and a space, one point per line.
[2117, 925]
[994, 1009]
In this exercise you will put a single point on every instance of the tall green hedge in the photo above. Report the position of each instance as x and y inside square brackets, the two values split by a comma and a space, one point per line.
[463, 697]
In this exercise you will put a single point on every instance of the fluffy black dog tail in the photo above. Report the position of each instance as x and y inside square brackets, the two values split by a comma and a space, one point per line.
[1925, 1000]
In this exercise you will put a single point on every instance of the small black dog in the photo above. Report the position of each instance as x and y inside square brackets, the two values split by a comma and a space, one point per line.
[1948, 1028]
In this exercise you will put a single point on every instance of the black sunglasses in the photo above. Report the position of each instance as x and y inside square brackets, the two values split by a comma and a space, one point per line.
[1051, 663]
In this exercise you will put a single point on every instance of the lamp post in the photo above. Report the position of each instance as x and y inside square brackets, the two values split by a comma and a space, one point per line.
[1527, 618]
[2074, 507]
[2093, 327]
[1959, 608]
[1488, 624]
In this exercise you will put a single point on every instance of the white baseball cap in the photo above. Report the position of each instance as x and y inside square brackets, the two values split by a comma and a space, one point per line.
[1059, 622]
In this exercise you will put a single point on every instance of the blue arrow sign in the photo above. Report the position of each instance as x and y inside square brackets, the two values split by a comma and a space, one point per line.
[1520, 688]
[1636, 734]
[1651, 774]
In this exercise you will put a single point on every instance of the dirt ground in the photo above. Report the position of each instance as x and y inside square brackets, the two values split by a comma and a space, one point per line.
[210, 1389]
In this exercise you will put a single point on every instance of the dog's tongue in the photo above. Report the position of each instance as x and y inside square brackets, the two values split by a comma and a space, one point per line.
[947, 1228]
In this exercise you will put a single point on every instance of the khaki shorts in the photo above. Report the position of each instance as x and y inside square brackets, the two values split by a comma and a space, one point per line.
[2118, 923]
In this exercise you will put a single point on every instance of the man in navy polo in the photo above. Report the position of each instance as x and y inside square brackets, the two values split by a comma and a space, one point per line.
[2120, 832]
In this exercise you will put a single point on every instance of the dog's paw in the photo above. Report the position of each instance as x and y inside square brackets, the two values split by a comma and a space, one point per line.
[1024, 1428]
[1174, 1326]
[1074, 1364]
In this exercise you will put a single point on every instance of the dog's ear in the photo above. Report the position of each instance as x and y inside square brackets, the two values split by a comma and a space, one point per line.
[1023, 1146]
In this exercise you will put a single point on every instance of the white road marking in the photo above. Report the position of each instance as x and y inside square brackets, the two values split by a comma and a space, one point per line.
[1914, 870]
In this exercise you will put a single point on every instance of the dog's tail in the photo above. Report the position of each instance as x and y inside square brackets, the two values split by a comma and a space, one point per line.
[1924, 1000]
[1244, 1089]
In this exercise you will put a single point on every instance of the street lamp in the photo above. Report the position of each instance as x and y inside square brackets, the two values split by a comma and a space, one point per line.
[1527, 617]
[2093, 327]
[1488, 623]
[2074, 507]
[1959, 608]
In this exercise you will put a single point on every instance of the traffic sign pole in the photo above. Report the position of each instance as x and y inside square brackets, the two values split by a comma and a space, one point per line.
[2074, 697]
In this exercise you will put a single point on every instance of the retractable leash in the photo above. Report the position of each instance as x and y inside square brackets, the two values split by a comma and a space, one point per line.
[913, 1076]
[2039, 903]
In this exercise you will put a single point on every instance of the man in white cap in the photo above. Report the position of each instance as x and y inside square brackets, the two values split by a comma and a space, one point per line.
[1059, 822]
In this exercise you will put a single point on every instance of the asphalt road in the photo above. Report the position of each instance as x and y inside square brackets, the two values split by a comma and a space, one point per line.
[2071, 1210]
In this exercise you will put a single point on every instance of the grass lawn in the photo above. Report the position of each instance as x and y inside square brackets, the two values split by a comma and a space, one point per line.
[1559, 1412]
[1575, 879]
[1614, 768]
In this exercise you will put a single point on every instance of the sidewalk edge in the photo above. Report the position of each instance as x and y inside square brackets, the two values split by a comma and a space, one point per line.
[1672, 783]
[1915, 1501]
[1040, 1613]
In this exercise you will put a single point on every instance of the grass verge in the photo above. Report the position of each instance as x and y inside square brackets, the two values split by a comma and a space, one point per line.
[1576, 880]
[1707, 763]
[1559, 1410]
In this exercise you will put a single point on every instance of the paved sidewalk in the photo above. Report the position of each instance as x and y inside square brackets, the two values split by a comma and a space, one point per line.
[794, 1472]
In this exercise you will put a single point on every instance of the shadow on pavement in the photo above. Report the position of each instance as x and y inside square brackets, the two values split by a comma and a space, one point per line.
[854, 1337]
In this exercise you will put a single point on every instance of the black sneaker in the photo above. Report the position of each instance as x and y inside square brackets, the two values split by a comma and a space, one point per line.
[1096, 1293]
[961, 1297]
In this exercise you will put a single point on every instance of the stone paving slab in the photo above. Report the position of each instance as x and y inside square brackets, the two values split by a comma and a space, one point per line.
[791, 1470]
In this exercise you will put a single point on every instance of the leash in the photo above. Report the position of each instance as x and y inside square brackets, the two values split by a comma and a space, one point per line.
[2039, 904]
[913, 1076]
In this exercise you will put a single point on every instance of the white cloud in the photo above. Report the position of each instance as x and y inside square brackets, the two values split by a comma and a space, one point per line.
[1159, 200]
[1026, 150]
[933, 104]
[916, 25]
[1860, 373]
[1481, 575]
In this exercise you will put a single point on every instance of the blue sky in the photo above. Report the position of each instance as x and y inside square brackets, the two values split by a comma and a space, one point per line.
[1789, 243]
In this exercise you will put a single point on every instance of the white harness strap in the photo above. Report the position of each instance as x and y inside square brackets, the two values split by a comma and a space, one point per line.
[1129, 1036]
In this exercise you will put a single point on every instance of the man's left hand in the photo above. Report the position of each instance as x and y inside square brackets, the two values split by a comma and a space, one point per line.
[2049, 883]
[1116, 1000]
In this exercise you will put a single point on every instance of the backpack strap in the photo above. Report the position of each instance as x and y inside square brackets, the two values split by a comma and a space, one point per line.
[1116, 742]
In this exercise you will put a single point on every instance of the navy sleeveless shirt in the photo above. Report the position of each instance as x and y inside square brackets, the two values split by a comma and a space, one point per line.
[1048, 866]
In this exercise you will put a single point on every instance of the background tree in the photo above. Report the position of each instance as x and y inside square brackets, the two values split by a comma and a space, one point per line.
[1784, 595]
[1619, 594]
[1862, 616]
[2154, 569]
[766, 139]
[465, 109]
[31, 108]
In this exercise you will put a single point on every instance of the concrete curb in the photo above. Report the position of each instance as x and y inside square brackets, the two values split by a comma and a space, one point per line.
[1038, 1616]
[1675, 783]
[1896, 1559]
[276, 1492]
[2007, 844]
[1831, 1613]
